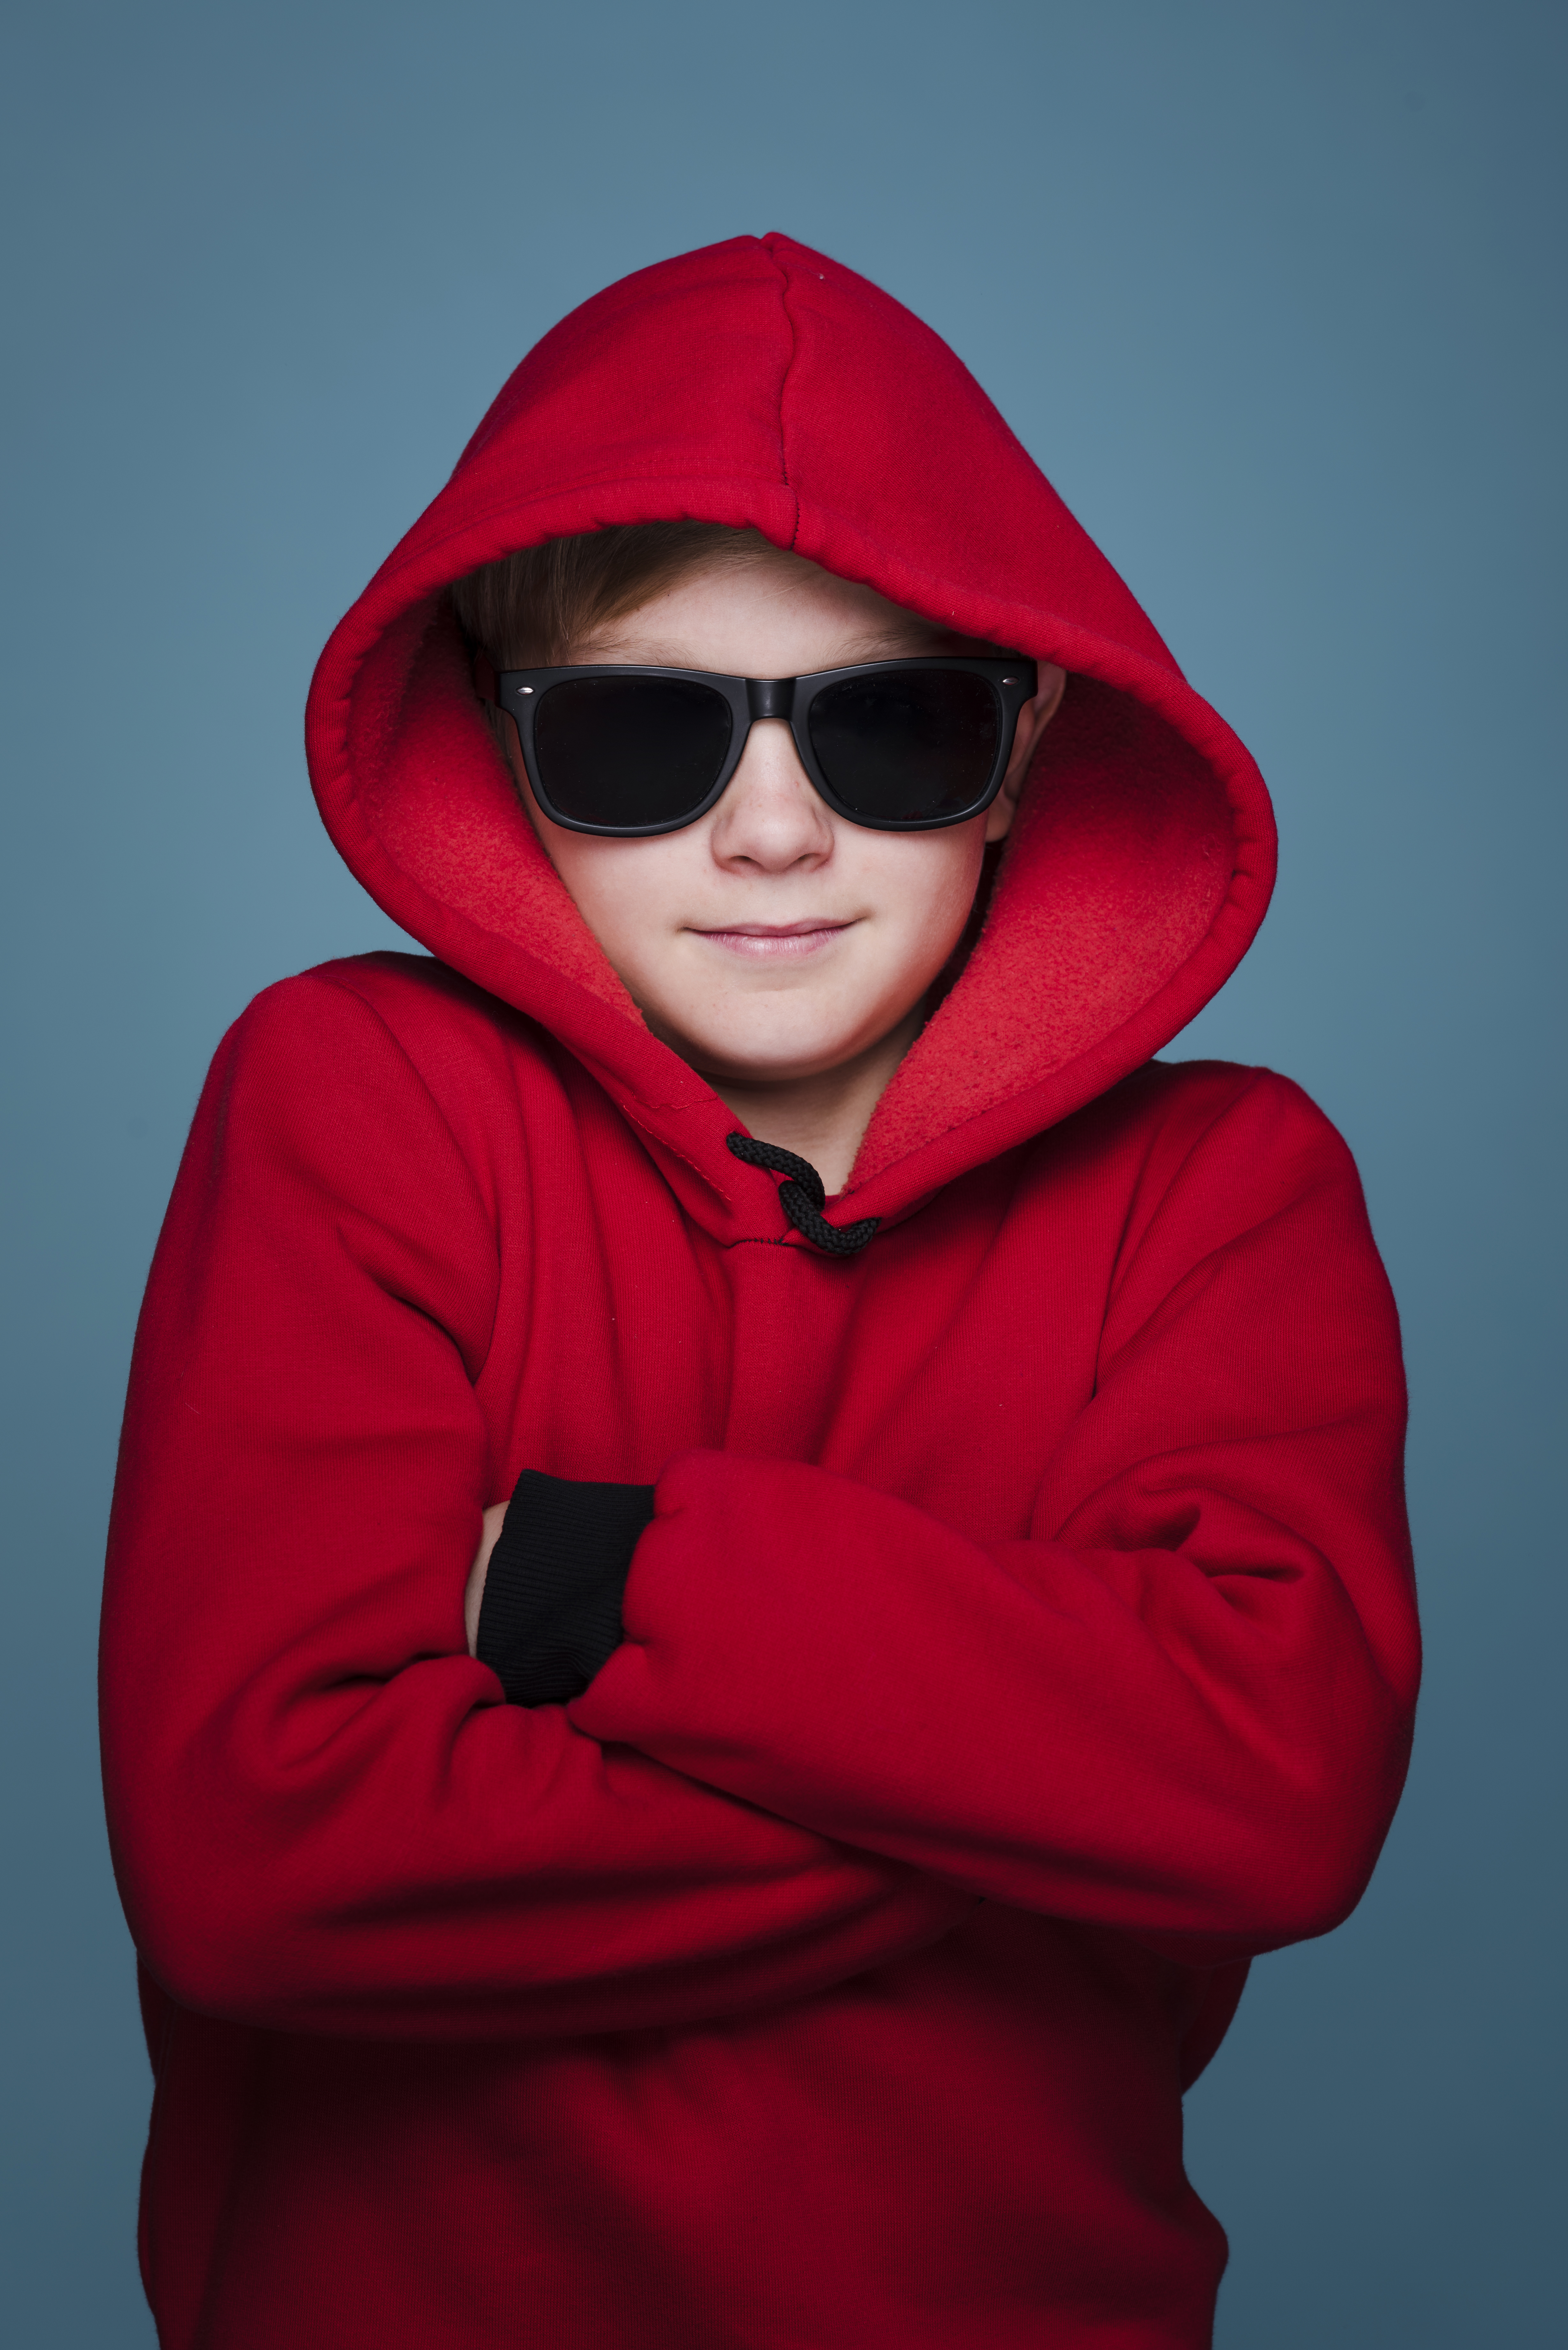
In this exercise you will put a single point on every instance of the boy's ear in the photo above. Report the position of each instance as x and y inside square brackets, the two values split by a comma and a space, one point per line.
[1032, 720]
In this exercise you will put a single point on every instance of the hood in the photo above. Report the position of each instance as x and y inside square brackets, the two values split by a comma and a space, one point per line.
[757, 382]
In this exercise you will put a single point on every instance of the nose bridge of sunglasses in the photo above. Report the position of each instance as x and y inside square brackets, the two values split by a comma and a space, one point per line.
[770, 697]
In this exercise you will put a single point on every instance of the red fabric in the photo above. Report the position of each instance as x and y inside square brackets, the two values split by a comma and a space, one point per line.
[1025, 1634]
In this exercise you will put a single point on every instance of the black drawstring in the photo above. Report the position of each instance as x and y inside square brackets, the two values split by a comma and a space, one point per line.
[802, 1197]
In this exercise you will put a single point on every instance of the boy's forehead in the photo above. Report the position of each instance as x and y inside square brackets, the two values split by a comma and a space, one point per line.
[784, 599]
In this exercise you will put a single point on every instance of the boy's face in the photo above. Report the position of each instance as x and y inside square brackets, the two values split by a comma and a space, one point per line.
[772, 940]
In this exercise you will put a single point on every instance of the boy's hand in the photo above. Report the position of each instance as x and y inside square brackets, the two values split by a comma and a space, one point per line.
[474, 1595]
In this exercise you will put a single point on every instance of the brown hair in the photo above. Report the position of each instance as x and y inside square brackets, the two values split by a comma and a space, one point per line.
[530, 609]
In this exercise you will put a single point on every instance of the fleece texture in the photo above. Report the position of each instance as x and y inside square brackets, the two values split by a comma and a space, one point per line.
[1023, 1636]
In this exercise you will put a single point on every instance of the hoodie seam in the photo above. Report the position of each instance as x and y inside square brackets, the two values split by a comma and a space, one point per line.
[1254, 1079]
[783, 388]
[345, 988]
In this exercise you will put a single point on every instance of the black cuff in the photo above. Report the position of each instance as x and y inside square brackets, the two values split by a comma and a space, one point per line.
[551, 1612]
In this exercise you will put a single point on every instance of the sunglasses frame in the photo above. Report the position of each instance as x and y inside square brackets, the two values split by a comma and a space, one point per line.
[1013, 680]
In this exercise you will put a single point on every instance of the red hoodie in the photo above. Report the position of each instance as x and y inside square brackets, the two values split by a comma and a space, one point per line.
[1025, 1635]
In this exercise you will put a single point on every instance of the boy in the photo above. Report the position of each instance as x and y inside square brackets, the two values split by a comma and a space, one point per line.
[751, 1555]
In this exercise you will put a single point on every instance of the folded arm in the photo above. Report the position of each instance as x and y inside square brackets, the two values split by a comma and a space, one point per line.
[322, 1815]
[1180, 1706]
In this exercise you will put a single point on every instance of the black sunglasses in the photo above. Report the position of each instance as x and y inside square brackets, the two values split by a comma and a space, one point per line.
[901, 746]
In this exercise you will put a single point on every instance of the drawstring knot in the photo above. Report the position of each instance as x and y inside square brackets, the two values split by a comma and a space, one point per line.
[802, 1197]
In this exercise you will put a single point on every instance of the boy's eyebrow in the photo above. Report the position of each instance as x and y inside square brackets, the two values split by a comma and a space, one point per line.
[885, 644]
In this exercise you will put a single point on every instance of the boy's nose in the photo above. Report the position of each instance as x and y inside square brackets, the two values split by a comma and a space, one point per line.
[771, 818]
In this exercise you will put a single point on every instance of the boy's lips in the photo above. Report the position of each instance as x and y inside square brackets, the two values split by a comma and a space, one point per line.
[786, 939]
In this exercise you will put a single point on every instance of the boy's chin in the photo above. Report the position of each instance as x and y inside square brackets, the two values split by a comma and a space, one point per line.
[779, 1067]
[779, 1036]
[760, 1057]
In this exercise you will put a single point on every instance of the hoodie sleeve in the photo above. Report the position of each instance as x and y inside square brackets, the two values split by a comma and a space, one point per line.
[1182, 1707]
[322, 1815]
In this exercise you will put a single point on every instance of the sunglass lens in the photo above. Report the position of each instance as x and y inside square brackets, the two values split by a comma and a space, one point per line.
[906, 747]
[630, 753]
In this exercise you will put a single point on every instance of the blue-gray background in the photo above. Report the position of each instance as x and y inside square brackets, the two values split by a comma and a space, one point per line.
[1273, 293]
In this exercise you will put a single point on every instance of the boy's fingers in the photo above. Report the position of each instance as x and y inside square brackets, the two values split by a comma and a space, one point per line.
[473, 1596]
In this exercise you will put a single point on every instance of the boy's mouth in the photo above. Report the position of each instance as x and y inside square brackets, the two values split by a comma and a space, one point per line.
[761, 941]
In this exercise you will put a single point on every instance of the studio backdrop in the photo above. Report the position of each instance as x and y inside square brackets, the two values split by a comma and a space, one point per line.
[1273, 295]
